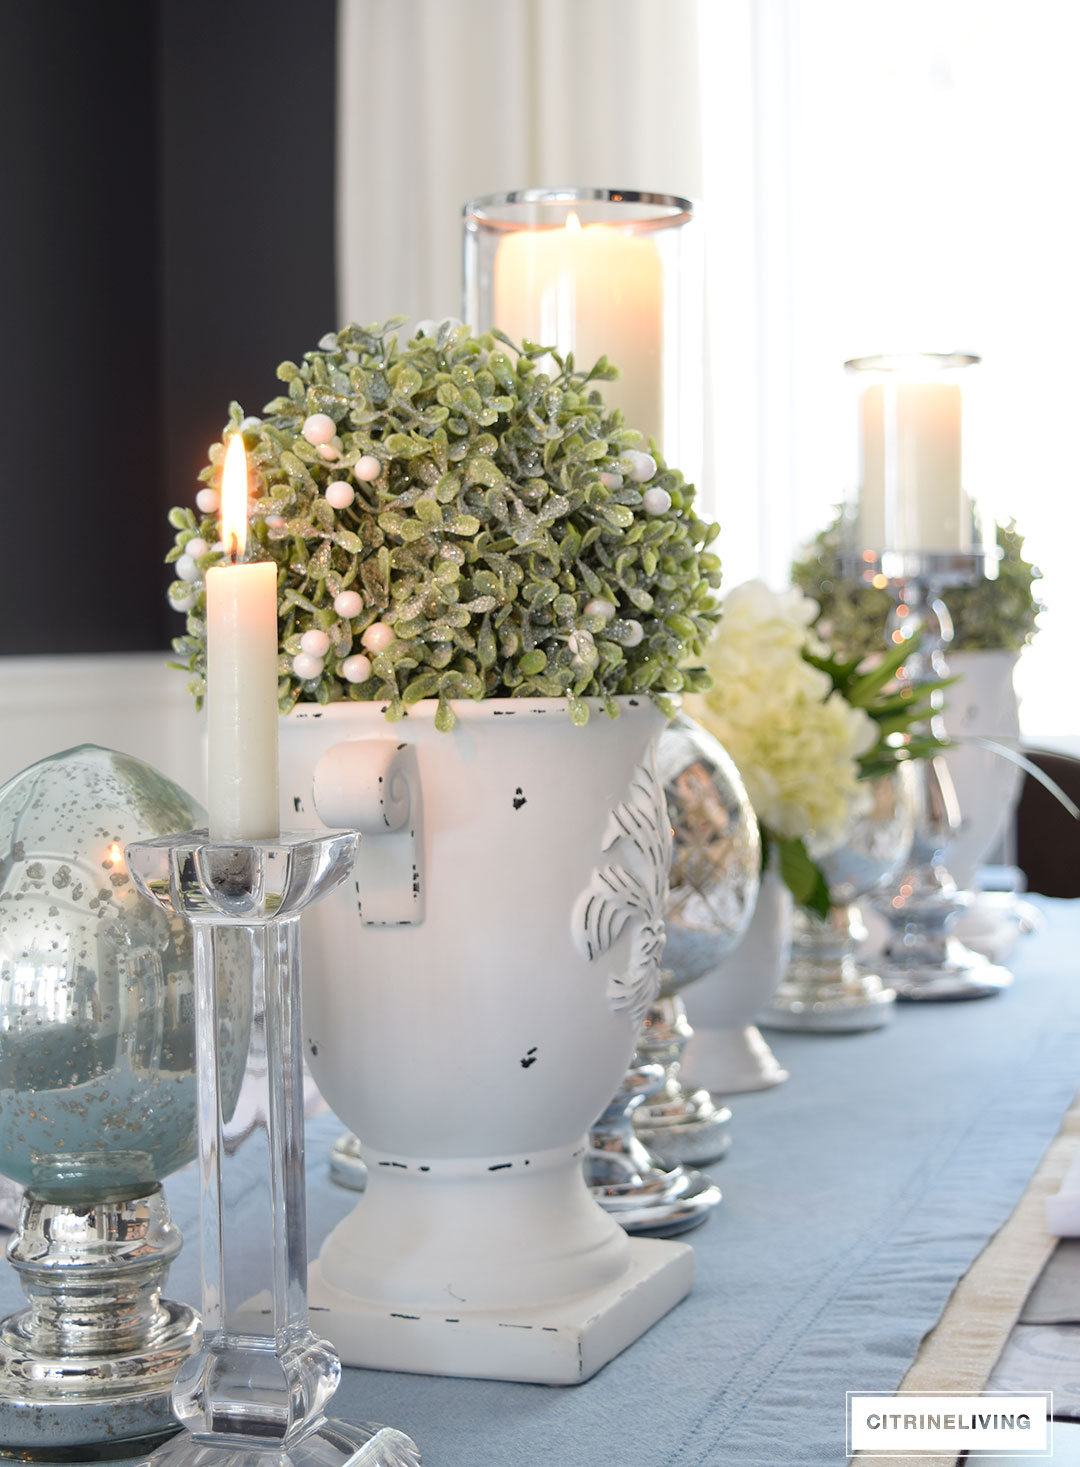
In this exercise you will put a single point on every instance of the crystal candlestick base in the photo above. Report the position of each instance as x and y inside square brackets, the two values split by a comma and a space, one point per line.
[922, 961]
[255, 1394]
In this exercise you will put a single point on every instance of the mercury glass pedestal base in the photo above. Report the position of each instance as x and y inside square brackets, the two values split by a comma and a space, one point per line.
[677, 1125]
[255, 1395]
[922, 960]
[960, 973]
[641, 1193]
[825, 990]
[93, 1357]
[853, 1007]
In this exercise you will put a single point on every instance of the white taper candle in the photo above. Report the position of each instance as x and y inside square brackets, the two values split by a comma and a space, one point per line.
[241, 675]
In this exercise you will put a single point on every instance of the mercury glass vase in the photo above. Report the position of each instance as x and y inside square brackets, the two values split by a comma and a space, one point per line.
[825, 988]
[715, 876]
[645, 1146]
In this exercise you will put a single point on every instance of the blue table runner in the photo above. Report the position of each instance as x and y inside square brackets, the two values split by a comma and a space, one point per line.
[855, 1197]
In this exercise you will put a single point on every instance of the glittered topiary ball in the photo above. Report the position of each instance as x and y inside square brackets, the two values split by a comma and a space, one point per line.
[451, 521]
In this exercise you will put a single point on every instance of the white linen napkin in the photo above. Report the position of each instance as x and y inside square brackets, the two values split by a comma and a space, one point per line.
[1063, 1209]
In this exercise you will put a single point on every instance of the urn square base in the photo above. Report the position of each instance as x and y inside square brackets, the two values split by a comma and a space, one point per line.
[562, 1343]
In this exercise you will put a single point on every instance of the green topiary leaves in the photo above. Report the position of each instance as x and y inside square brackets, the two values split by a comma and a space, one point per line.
[482, 542]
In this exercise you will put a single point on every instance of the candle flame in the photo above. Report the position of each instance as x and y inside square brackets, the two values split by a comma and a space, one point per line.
[234, 498]
[116, 853]
[573, 223]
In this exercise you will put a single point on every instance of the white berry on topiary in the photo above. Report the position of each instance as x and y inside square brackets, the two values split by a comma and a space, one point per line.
[349, 604]
[339, 494]
[367, 468]
[319, 428]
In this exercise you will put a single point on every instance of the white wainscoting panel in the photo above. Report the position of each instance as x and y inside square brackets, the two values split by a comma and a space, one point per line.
[127, 701]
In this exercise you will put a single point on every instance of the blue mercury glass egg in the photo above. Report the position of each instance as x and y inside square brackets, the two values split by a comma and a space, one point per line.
[97, 1043]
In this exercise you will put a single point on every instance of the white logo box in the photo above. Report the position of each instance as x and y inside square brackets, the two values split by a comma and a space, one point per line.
[945, 1423]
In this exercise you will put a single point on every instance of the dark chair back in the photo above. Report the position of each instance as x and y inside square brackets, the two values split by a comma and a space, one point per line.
[1047, 836]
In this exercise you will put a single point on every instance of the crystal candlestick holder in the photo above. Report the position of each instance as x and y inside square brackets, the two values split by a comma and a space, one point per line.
[922, 961]
[256, 1393]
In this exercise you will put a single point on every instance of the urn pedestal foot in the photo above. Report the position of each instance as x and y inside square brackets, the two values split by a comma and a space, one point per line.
[732, 1061]
[498, 1267]
[93, 1357]
[560, 1343]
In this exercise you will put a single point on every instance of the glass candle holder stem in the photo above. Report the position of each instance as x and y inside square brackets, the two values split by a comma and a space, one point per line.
[922, 961]
[256, 1393]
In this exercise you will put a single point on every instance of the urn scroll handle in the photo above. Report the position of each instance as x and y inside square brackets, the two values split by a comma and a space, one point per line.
[373, 786]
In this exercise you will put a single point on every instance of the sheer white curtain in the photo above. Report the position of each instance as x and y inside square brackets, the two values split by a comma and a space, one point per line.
[905, 183]
[443, 100]
[875, 175]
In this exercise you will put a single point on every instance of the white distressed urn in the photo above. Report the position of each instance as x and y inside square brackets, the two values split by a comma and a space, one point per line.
[471, 1003]
[982, 704]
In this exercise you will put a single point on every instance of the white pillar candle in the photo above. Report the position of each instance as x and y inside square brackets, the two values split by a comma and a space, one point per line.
[596, 290]
[911, 497]
[241, 675]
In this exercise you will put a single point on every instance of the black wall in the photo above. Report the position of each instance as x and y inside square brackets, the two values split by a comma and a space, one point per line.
[167, 186]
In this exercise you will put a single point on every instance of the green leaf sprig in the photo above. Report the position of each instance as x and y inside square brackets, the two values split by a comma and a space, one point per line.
[896, 706]
[798, 870]
[505, 540]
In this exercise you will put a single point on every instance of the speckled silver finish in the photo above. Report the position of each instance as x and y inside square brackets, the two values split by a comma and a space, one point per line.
[715, 874]
[641, 1193]
[97, 1100]
[678, 1125]
[716, 853]
[92, 1360]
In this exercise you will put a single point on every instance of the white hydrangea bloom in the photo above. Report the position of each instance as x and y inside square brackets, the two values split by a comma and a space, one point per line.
[795, 741]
